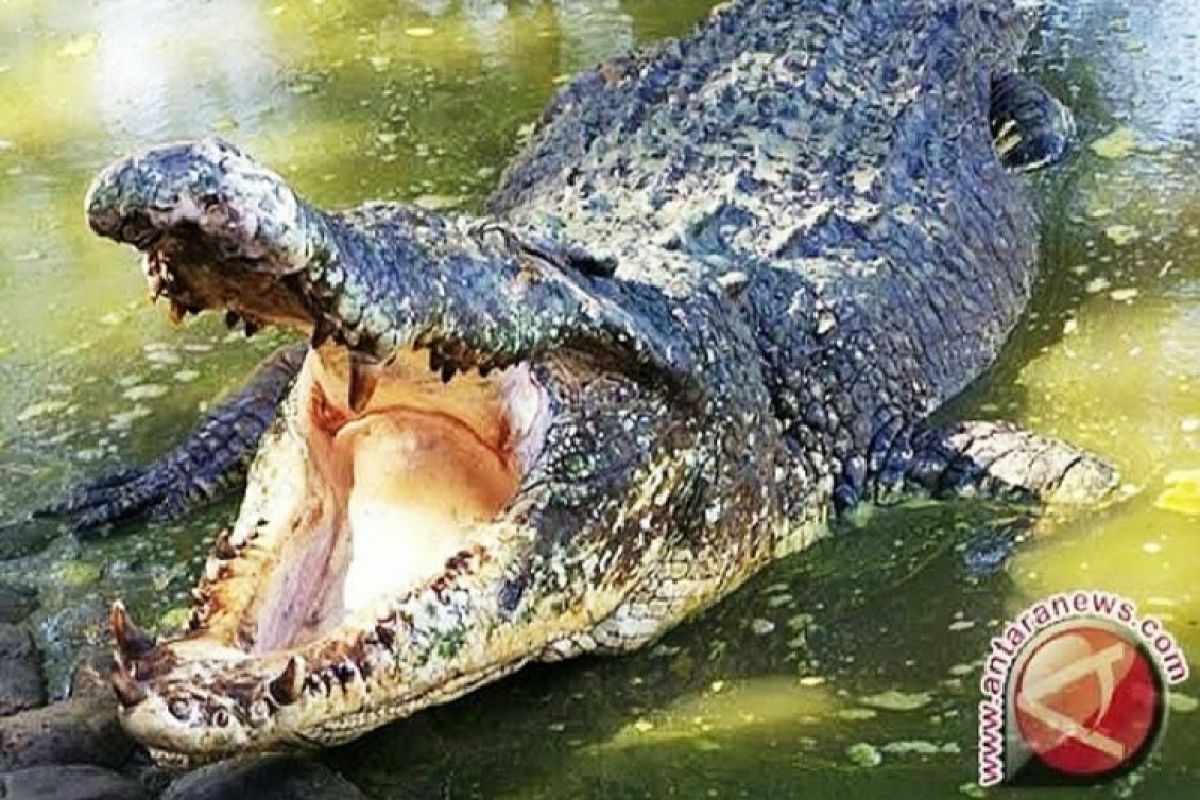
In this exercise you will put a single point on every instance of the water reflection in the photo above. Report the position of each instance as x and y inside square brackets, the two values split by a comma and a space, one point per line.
[218, 55]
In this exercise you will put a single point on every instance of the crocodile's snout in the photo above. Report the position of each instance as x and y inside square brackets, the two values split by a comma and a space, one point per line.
[205, 194]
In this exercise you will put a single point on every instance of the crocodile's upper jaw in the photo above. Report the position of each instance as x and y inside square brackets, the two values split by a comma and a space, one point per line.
[355, 525]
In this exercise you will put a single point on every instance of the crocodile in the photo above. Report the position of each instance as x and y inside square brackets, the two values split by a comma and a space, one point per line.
[712, 305]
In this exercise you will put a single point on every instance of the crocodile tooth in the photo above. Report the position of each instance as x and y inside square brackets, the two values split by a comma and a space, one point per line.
[176, 312]
[346, 672]
[386, 635]
[128, 692]
[224, 547]
[362, 380]
[448, 372]
[322, 330]
[131, 640]
[158, 287]
[286, 688]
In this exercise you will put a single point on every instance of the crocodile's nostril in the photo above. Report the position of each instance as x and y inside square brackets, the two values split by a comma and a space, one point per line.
[136, 228]
[104, 221]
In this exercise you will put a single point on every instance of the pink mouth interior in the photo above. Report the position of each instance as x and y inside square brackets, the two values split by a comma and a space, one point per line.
[394, 491]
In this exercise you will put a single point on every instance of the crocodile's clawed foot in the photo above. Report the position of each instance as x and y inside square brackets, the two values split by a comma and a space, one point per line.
[113, 498]
[212, 459]
[998, 460]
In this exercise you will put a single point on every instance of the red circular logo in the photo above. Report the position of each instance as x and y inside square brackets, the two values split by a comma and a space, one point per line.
[1088, 700]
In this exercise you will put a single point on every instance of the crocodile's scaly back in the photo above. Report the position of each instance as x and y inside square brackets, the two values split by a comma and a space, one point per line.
[839, 145]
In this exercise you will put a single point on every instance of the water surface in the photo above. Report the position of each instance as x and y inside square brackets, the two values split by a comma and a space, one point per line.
[426, 101]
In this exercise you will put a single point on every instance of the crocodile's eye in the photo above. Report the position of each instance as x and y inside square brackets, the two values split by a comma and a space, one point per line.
[221, 718]
[180, 707]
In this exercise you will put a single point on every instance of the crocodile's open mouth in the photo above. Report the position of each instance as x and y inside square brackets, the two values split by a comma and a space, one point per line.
[391, 492]
[353, 514]
[465, 396]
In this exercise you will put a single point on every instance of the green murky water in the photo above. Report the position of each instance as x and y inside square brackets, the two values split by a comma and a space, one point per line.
[426, 100]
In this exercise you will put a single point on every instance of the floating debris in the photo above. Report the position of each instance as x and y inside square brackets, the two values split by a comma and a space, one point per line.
[777, 600]
[855, 714]
[893, 700]
[1182, 494]
[185, 375]
[43, 408]
[1117, 144]
[419, 32]
[1121, 295]
[972, 789]
[145, 391]
[800, 621]
[1121, 235]
[864, 754]
[124, 420]
[1182, 703]
[762, 626]
[920, 747]
[163, 356]
[438, 202]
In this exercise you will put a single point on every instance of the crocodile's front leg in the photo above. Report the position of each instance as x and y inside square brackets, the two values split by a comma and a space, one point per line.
[211, 460]
[988, 460]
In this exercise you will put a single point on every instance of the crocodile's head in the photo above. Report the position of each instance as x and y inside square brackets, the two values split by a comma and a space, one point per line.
[483, 461]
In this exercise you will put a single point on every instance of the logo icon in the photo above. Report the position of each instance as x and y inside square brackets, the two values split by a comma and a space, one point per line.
[1088, 700]
[1074, 691]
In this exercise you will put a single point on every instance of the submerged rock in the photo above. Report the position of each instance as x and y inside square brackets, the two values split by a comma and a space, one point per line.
[69, 782]
[16, 604]
[21, 684]
[271, 778]
[82, 730]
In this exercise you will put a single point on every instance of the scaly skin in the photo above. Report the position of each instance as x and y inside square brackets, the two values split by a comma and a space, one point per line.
[743, 268]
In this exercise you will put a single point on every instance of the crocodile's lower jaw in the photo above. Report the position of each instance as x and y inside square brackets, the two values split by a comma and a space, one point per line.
[347, 516]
